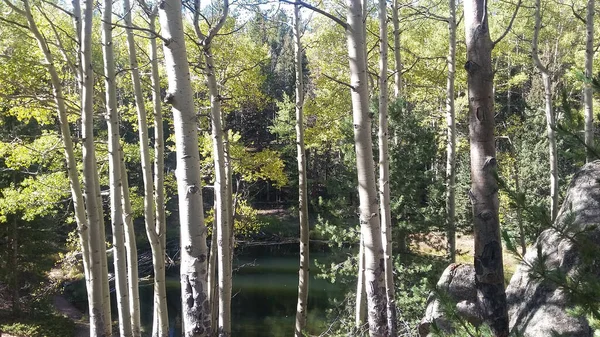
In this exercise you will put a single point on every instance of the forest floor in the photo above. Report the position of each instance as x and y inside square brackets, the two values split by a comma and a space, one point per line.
[66, 308]
[431, 244]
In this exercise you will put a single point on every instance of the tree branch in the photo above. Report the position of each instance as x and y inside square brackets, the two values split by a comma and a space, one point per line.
[339, 82]
[320, 11]
[510, 23]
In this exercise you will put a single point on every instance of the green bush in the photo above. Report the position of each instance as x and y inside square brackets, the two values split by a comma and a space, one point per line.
[46, 326]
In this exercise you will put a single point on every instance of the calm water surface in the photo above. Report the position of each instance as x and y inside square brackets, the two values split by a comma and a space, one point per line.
[264, 297]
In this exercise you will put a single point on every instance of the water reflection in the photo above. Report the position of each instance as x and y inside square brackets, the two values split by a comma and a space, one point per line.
[264, 297]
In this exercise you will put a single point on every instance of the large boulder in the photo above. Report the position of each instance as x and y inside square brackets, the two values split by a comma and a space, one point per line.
[537, 306]
[457, 282]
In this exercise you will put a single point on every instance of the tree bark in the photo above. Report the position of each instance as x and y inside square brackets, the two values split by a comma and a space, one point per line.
[451, 134]
[96, 325]
[384, 171]
[367, 190]
[161, 319]
[489, 273]
[213, 298]
[361, 301]
[115, 180]
[194, 252]
[589, 73]
[131, 250]
[101, 309]
[397, 57]
[550, 124]
[222, 214]
[303, 276]
[221, 209]
[149, 215]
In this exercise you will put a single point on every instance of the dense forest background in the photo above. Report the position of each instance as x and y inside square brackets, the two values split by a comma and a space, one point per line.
[252, 63]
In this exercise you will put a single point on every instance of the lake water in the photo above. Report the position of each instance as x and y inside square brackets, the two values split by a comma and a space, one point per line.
[264, 297]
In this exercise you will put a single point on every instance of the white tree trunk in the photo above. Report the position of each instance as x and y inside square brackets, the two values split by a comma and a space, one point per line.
[451, 134]
[92, 196]
[550, 125]
[397, 57]
[360, 312]
[114, 162]
[160, 324]
[367, 188]
[194, 252]
[96, 325]
[222, 213]
[384, 170]
[213, 289]
[221, 209]
[131, 250]
[489, 272]
[303, 276]
[589, 72]
[149, 215]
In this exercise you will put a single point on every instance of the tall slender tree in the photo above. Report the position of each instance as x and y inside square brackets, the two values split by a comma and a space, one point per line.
[367, 188]
[550, 118]
[397, 56]
[115, 181]
[360, 312]
[451, 134]
[222, 214]
[131, 250]
[489, 272]
[384, 170]
[93, 201]
[194, 251]
[91, 272]
[160, 325]
[149, 214]
[303, 273]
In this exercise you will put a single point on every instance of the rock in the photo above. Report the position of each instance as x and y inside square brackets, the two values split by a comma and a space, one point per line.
[457, 281]
[540, 307]
[536, 306]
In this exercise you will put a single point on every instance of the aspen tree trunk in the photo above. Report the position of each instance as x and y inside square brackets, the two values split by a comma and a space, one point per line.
[114, 161]
[221, 209]
[222, 214]
[361, 300]
[149, 215]
[397, 57]
[384, 170]
[131, 250]
[90, 178]
[587, 91]
[303, 276]
[367, 189]
[96, 326]
[194, 252]
[489, 273]
[213, 298]
[550, 124]
[160, 324]
[519, 211]
[230, 201]
[451, 132]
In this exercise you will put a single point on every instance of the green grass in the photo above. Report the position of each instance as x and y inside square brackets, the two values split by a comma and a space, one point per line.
[49, 325]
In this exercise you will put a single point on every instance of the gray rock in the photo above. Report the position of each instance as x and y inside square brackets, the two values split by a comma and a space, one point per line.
[539, 307]
[536, 307]
[457, 281]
